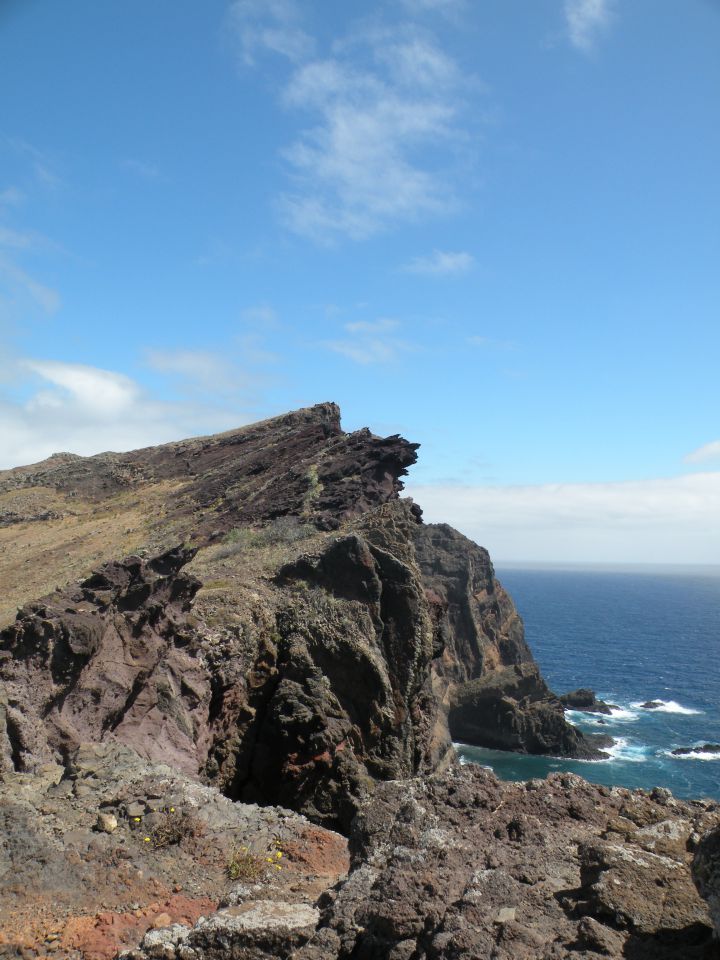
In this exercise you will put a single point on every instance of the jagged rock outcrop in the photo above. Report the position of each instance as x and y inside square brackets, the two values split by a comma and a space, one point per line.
[298, 463]
[339, 667]
[463, 865]
[111, 658]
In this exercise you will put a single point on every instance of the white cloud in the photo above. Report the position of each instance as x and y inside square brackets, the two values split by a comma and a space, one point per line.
[434, 6]
[84, 409]
[270, 26]
[372, 326]
[382, 122]
[708, 451]
[675, 520]
[40, 162]
[356, 168]
[102, 392]
[370, 342]
[441, 263]
[586, 19]
[15, 239]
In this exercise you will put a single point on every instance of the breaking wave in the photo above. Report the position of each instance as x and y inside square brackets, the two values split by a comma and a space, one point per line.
[666, 706]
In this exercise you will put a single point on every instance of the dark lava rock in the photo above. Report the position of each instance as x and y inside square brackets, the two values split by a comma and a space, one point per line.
[496, 695]
[463, 865]
[704, 748]
[298, 463]
[585, 700]
[651, 704]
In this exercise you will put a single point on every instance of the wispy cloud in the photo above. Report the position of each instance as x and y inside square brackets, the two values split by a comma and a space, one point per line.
[382, 113]
[434, 6]
[42, 165]
[441, 263]
[141, 168]
[270, 25]
[15, 239]
[26, 285]
[260, 315]
[196, 368]
[672, 519]
[370, 342]
[586, 20]
[708, 451]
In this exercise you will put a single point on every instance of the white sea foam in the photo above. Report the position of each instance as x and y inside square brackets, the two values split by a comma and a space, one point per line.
[693, 755]
[621, 713]
[665, 706]
[590, 716]
[627, 751]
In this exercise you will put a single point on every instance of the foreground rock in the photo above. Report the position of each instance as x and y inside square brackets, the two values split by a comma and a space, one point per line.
[71, 887]
[466, 866]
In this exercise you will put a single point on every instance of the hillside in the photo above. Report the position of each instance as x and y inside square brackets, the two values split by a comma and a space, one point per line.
[261, 616]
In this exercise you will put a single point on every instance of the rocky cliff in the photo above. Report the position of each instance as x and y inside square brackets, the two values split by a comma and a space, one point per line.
[261, 613]
[314, 636]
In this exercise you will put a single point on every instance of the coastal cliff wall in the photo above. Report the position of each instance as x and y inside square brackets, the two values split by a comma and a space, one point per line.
[313, 637]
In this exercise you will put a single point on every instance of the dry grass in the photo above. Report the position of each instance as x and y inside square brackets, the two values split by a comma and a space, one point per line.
[38, 555]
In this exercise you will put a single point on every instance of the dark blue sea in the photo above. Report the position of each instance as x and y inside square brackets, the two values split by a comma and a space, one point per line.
[632, 637]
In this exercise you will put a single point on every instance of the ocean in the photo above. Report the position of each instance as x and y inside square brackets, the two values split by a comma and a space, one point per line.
[632, 637]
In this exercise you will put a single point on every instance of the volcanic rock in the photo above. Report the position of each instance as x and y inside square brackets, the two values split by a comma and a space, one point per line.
[258, 617]
[284, 661]
[585, 700]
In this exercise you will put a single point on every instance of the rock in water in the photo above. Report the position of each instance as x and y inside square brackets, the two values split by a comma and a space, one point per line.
[585, 700]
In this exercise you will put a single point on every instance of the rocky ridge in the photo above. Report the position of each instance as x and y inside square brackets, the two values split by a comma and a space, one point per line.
[288, 632]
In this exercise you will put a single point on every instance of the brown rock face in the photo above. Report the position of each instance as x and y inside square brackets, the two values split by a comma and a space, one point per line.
[462, 865]
[299, 687]
[496, 695]
[105, 660]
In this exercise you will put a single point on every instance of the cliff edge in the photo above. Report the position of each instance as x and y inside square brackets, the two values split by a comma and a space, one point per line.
[303, 637]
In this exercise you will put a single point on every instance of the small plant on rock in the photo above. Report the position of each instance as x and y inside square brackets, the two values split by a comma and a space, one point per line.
[174, 828]
[243, 865]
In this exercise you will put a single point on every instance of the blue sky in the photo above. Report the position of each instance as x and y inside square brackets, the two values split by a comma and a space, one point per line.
[489, 226]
